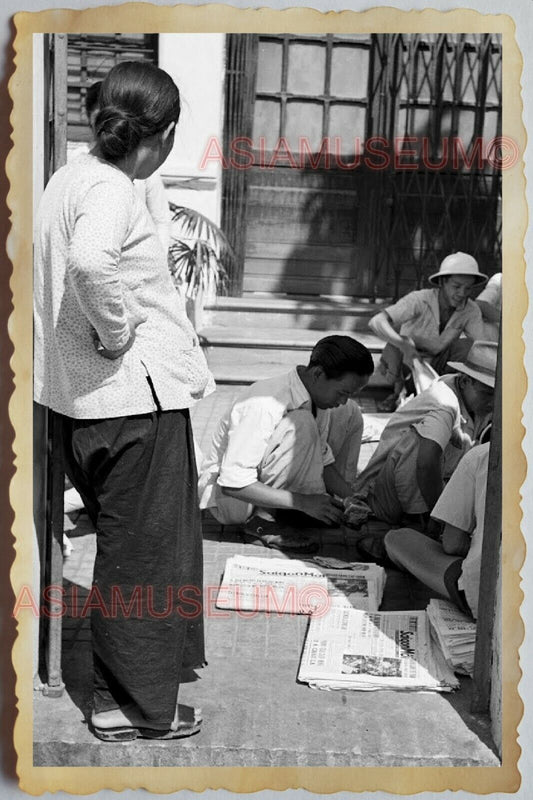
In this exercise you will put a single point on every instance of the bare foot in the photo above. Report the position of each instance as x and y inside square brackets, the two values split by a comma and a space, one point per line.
[127, 716]
[132, 717]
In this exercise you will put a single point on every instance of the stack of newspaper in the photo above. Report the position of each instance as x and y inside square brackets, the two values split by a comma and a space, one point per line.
[282, 585]
[456, 634]
[351, 649]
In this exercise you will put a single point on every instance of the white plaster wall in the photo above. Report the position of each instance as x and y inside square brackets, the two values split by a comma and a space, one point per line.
[196, 63]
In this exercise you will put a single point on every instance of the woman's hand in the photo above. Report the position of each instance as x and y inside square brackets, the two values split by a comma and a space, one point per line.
[137, 318]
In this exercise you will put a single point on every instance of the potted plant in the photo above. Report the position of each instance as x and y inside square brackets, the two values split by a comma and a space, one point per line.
[200, 258]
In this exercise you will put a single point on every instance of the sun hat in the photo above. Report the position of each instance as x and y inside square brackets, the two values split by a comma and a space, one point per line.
[458, 264]
[480, 363]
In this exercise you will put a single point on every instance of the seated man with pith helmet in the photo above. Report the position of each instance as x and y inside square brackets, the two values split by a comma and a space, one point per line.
[434, 325]
[422, 444]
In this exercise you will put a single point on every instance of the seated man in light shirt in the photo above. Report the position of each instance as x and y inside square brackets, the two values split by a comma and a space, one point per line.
[452, 565]
[490, 305]
[290, 444]
[436, 325]
[421, 446]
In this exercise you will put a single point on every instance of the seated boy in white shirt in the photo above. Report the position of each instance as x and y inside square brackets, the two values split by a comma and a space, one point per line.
[290, 443]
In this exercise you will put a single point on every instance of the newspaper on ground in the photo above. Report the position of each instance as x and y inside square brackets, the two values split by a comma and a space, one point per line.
[349, 649]
[456, 634]
[290, 586]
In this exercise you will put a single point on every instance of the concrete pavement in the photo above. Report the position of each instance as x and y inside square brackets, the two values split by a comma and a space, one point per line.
[255, 712]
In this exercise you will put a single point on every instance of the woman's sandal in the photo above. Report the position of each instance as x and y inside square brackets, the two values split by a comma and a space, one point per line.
[124, 733]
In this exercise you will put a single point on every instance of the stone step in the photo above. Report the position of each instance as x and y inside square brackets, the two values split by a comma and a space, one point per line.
[272, 338]
[243, 373]
[343, 313]
[244, 356]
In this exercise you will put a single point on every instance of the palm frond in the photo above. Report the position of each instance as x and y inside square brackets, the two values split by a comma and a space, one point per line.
[200, 254]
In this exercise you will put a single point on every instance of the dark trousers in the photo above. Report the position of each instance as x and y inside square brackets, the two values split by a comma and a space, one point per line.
[138, 477]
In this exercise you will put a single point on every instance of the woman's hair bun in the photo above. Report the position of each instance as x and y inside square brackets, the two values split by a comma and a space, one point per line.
[117, 132]
[137, 100]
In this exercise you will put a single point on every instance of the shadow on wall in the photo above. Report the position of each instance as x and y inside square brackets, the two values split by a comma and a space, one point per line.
[371, 233]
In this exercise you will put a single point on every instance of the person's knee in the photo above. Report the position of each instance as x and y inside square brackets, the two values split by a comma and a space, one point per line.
[230, 511]
[396, 542]
[392, 543]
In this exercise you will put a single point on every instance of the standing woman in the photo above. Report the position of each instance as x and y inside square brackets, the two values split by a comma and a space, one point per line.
[118, 361]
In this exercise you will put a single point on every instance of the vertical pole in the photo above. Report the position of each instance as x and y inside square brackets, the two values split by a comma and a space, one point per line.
[239, 91]
[55, 474]
[490, 558]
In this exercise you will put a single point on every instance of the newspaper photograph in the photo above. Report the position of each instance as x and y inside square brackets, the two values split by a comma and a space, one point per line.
[284, 586]
[354, 649]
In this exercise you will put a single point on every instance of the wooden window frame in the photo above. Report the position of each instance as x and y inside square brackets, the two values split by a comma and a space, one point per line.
[326, 99]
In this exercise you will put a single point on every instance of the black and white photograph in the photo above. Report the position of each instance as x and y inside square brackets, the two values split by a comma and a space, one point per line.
[275, 300]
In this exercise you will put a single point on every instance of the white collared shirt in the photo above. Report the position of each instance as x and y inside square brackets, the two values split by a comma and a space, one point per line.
[97, 259]
[242, 436]
[417, 314]
[462, 504]
[438, 414]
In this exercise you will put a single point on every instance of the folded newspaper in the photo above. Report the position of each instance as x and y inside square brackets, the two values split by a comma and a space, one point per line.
[349, 649]
[456, 634]
[289, 586]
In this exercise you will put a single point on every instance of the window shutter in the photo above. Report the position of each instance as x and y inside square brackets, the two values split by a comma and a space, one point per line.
[90, 57]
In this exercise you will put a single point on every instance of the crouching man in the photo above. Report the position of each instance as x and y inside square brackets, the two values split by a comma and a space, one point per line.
[422, 444]
[452, 565]
[290, 443]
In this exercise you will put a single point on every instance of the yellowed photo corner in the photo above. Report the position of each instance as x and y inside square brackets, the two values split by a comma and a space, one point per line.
[217, 18]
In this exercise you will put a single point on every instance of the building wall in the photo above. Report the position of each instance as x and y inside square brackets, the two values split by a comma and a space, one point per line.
[495, 710]
[196, 63]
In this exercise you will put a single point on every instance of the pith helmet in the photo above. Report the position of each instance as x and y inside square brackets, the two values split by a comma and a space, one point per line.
[480, 363]
[458, 264]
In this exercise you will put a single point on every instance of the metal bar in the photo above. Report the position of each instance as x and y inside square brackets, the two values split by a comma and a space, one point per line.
[326, 100]
[239, 94]
[457, 94]
[53, 568]
[490, 557]
[54, 686]
[436, 87]
[284, 79]
[349, 101]
[481, 94]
